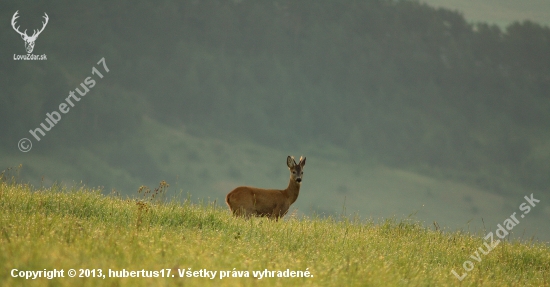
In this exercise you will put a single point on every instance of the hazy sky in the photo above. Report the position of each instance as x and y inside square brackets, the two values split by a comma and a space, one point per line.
[501, 12]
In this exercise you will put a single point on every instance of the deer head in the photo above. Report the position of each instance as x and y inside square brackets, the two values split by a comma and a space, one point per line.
[296, 169]
[29, 40]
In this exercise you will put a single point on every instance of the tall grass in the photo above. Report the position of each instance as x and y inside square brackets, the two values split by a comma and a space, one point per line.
[80, 228]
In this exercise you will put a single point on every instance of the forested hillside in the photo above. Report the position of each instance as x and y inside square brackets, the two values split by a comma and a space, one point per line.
[396, 83]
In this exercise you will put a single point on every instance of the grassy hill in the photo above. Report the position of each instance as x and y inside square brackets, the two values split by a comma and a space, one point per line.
[79, 228]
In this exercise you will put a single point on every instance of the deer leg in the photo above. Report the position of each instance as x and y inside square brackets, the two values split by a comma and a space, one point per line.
[276, 213]
[239, 212]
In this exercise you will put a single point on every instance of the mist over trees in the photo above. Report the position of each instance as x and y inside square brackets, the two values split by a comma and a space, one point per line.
[394, 82]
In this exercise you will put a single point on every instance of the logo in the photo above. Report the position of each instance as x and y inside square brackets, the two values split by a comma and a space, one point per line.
[29, 40]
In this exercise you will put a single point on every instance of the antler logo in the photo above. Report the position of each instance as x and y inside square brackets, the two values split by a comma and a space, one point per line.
[29, 40]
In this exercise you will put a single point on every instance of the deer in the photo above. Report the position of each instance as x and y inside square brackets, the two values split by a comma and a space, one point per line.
[29, 40]
[245, 201]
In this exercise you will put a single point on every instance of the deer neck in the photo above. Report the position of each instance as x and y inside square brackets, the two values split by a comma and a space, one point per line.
[293, 190]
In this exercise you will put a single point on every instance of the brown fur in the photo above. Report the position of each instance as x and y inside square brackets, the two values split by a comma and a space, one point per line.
[246, 201]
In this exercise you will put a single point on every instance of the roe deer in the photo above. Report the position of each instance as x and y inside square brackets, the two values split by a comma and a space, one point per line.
[273, 203]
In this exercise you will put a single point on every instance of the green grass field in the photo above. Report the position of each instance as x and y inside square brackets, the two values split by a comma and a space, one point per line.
[79, 228]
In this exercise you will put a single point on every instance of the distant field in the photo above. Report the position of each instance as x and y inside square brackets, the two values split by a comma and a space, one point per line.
[208, 169]
[104, 238]
[500, 12]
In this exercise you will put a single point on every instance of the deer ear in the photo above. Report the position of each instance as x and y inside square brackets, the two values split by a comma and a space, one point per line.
[302, 161]
[290, 162]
